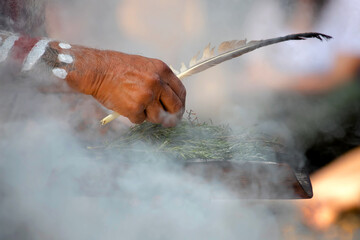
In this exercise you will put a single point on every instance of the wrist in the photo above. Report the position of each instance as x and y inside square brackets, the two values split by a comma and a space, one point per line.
[82, 68]
[59, 58]
[25, 52]
[77, 65]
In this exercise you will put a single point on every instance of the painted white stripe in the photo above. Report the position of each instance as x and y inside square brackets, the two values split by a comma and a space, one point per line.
[60, 73]
[65, 58]
[35, 54]
[6, 47]
[64, 45]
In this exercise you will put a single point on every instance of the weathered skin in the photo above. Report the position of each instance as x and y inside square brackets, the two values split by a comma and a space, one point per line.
[136, 87]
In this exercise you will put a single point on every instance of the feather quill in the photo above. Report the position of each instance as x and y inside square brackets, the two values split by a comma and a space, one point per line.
[226, 51]
[232, 49]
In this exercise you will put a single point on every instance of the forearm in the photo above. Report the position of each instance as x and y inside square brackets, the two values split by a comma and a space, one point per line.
[53, 58]
[23, 52]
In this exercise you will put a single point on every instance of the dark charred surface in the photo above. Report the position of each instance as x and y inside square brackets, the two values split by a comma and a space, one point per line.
[255, 179]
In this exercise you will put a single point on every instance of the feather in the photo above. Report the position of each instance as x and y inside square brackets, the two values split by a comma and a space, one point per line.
[194, 60]
[232, 49]
[226, 51]
[183, 67]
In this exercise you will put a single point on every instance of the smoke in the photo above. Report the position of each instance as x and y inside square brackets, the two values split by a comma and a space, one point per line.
[52, 187]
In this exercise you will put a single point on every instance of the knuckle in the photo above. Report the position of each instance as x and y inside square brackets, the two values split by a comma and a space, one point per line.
[136, 119]
[147, 96]
[154, 80]
[144, 94]
[161, 66]
[134, 108]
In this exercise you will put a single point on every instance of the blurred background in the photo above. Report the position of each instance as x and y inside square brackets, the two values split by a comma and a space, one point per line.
[306, 92]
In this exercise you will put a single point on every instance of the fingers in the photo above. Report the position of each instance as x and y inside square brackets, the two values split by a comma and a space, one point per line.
[138, 117]
[155, 113]
[171, 79]
[176, 85]
[171, 101]
[147, 90]
[168, 110]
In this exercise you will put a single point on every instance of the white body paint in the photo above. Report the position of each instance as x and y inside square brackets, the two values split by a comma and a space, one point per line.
[60, 73]
[65, 58]
[6, 46]
[35, 54]
[64, 45]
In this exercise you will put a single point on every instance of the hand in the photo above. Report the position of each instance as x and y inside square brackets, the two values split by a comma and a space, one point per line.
[136, 87]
